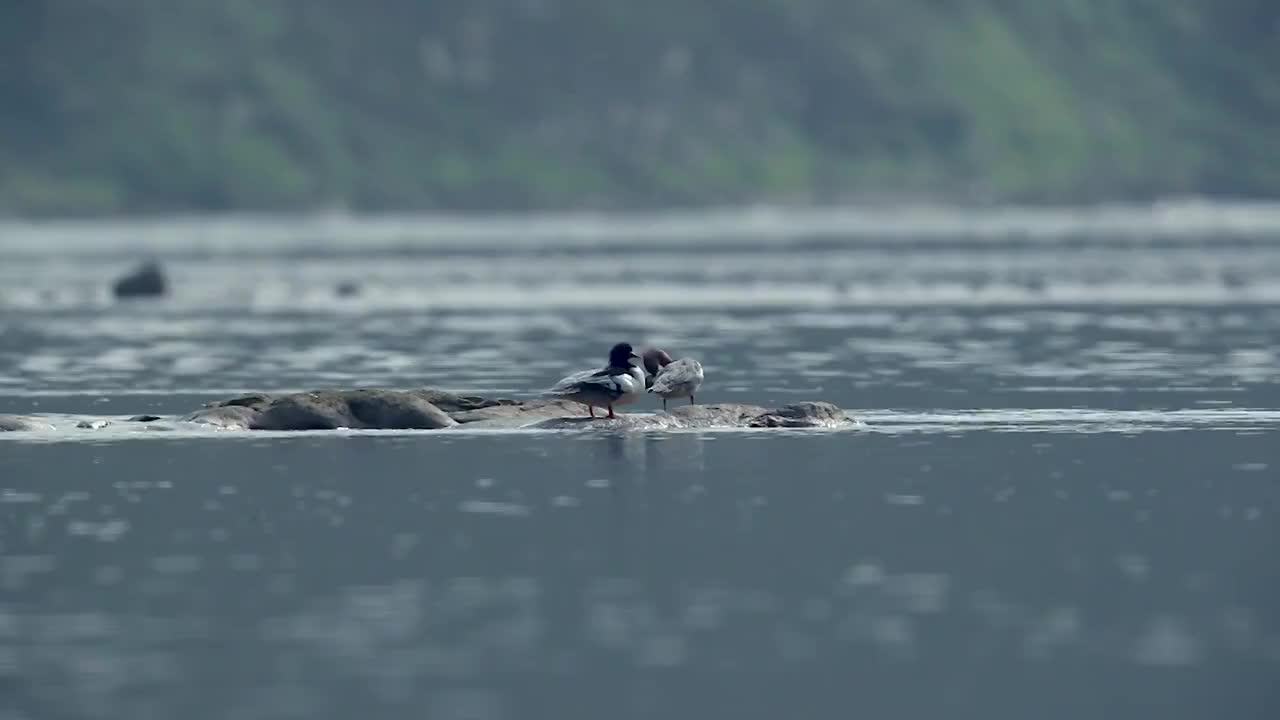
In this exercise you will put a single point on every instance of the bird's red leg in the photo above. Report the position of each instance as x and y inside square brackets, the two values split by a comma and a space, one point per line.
[611, 415]
[592, 410]
[690, 399]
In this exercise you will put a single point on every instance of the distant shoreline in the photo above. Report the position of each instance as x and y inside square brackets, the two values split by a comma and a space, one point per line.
[1171, 219]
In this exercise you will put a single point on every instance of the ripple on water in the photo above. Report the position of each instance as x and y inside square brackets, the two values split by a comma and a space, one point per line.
[460, 319]
[103, 531]
[488, 507]
[1167, 641]
[865, 322]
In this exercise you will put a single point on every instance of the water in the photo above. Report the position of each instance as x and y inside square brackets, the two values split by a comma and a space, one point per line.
[1063, 503]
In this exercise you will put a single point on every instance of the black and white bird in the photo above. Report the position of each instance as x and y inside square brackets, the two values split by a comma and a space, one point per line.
[619, 383]
[671, 378]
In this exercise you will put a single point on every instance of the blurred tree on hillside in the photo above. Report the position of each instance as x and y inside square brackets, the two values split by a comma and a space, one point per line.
[176, 105]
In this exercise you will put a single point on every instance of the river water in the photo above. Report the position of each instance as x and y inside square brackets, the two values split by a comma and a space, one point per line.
[1064, 501]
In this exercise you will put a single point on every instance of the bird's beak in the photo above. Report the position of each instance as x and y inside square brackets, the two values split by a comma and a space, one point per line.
[635, 356]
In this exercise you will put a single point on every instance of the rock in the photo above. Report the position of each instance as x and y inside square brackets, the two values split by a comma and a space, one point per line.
[513, 413]
[144, 418]
[395, 411]
[368, 409]
[452, 403]
[254, 401]
[96, 424]
[435, 409]
[347, 289]
[727, 415]
[802, 415]
[227, 417]
[446, 401]
[147, 280]
[22, 423]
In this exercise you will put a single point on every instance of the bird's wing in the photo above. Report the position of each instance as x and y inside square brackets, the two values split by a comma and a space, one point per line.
[571, 383]
[611, 380]
[680, 372]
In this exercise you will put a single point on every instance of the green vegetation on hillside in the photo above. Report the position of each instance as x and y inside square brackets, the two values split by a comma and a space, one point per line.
[111, 106]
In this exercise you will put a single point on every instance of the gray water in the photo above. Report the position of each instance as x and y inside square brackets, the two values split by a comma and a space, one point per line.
[1063, 502]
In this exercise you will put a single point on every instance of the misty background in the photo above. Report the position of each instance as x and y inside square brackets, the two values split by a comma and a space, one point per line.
[136, 106]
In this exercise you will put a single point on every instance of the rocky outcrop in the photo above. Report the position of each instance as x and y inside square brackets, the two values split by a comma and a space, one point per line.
[802, 415]
[331, 410]
[429, 409]
[375, 409]
[726, 415]
[22, 423]
[514, 413]
[148, 280]
[378, 409]
[226, 417]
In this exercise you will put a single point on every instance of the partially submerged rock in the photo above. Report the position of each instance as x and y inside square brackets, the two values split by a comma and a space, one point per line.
[514, 413]
[23, 423]
[435, 409]
[369, 409]
[334, 409]
[227, 417]
[802, 415]
[147, 280]
[254, 401]
[725, 415]
[429, 409]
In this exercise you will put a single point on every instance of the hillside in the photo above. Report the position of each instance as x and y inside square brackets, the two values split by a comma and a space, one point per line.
[141, 106]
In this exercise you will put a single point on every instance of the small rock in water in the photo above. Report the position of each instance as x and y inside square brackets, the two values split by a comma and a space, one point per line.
[144, 418]
[347, 289]
[147, 280]
[1234, 279]
[92, 424]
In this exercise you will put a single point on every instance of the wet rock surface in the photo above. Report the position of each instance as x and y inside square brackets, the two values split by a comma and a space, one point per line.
[334, 409]
[370, 409]
[147, 280]
[724, 415]
[802, 414]
[514, 413]
[430, 409]
[22, 423]
[227, 417]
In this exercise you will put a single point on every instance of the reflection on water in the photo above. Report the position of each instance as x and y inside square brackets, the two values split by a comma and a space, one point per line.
[628, 574]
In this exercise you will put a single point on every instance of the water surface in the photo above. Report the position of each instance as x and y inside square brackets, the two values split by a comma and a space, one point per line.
[1063, 502]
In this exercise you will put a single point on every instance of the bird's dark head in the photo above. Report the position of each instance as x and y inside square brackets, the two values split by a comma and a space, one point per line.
[622, 354]
[655, 359]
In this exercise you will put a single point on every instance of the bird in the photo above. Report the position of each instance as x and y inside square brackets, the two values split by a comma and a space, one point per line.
[618, 383]
[654, 359]
[671, 378]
